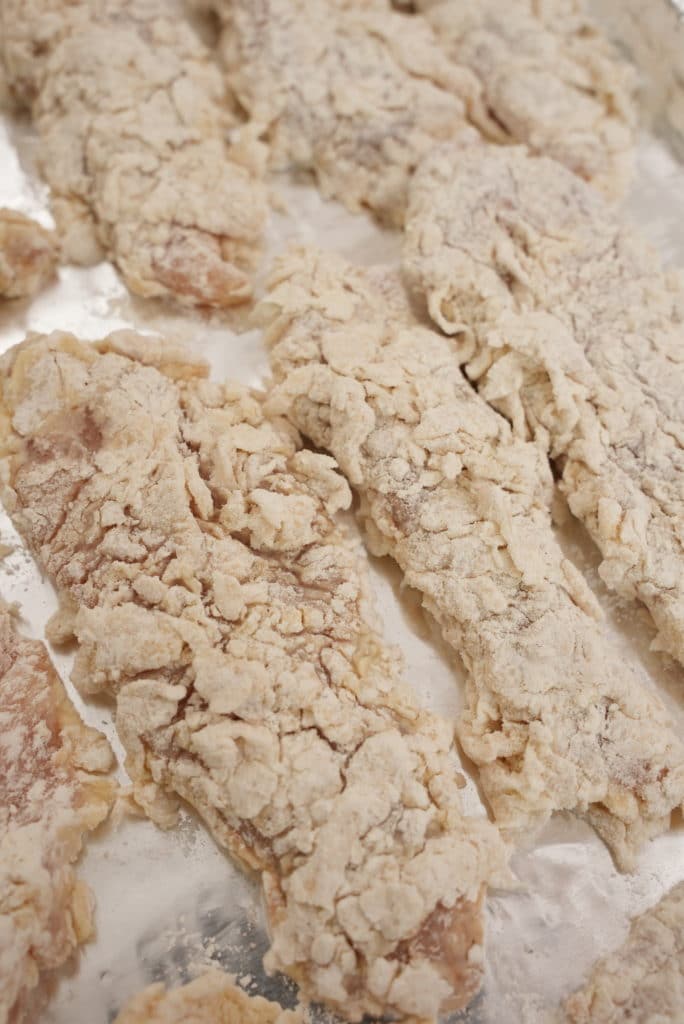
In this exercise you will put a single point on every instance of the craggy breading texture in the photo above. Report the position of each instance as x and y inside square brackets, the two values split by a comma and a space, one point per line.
[200, 568]
[549, 79]
[350, 90]
[555, 719]
[567, 324]
[53, 790]
[28, 255]
[643, 981]
[132, 120]
[358, 93]
[210, 999]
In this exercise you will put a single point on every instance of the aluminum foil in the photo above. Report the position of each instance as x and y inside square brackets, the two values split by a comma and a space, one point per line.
[171, 903]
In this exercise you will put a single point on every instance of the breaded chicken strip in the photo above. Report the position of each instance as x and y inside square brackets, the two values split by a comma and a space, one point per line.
[28, 255]
[643, 981]
[549, 78]
[211, 593]
[348, 89]
[133, 123]
[210, 999]
[567, 323]
[554, 719]
[358, 93]
[53, 791]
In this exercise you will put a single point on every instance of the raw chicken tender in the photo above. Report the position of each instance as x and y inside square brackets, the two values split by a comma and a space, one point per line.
[554, 719]
[210, 591]
[549, 79]
[132, 119]
[28, 255]
[53, 790]
[210, 999]
[643, 981]
[567, 324]
[358, 93]
[348, 89]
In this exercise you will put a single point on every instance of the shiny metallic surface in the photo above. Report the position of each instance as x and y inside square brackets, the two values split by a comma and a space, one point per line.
[171, 903]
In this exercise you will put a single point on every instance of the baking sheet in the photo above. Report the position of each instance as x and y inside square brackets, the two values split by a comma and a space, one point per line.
[169, 904]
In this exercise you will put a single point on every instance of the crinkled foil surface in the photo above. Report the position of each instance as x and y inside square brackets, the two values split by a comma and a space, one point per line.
[169, 904]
